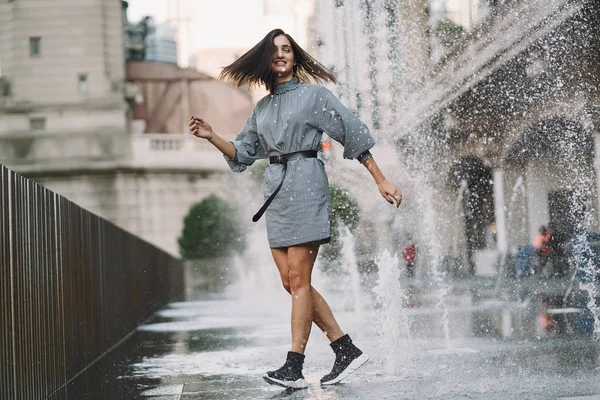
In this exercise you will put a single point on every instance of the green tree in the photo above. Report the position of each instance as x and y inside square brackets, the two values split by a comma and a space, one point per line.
[211, 229]
[344, 212]
[257, 170]
[449, 32]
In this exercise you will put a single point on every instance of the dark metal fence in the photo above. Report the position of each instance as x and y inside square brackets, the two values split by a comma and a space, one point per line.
[72, 285]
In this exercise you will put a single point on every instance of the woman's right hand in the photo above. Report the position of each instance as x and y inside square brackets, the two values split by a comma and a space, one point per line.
[200, 128]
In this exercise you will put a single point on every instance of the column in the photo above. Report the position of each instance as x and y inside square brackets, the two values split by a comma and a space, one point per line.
[185, 104]
[500, 211]
[597, 168]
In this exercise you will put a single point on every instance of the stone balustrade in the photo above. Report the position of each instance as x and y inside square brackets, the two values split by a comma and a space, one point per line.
[28, 152]
[172, 151]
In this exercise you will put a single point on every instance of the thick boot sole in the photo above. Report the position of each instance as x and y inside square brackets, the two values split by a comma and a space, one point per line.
[353, 366]
[298, 384]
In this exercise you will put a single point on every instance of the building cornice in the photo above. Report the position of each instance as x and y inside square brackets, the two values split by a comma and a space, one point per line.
[56, 153]
[11, 106]
[484, 51]
[108, 168]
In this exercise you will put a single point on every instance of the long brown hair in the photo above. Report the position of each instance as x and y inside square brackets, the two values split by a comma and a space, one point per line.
[254, 67]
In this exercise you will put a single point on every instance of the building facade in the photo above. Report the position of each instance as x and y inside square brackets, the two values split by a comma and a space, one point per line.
[66, 112]
[161, 44]
[64, 75]
[498, 130]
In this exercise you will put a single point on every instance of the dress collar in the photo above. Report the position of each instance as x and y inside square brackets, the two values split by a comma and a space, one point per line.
[286, 86]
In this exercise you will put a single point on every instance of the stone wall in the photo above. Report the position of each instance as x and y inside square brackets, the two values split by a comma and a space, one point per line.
[150, 204]
[76, 37]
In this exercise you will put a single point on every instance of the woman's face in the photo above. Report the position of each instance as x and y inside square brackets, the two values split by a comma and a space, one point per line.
[282, 63]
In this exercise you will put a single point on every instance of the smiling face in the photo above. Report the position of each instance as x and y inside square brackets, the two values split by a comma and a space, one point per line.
[282, 63]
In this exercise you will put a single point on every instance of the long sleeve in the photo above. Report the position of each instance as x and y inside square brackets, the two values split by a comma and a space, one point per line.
[248, 146]
[343, 126]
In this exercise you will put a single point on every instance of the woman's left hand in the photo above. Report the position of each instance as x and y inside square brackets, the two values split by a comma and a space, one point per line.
[390, 192]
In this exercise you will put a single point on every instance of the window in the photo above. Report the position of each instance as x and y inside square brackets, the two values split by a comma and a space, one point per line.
[5, 87]
[82, 83]
[35, 46]
[37, 124]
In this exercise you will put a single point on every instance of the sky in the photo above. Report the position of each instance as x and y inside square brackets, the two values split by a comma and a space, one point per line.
[139, 8]
[215, 24]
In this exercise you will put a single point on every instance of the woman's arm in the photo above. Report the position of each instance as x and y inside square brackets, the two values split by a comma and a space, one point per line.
[223, 145]
[390, 193]
[344, 127]
[202, 129]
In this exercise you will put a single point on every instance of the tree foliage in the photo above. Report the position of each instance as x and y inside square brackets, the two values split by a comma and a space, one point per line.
[211, 229]
[448, 31]
[257, 170]
[344, 211]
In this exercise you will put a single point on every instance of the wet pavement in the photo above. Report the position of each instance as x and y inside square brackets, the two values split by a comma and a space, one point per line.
[218, 347]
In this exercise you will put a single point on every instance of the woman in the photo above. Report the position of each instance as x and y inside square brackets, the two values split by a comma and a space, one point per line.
[287, 126]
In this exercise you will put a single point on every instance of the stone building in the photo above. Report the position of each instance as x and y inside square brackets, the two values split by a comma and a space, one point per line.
[161, 44]
[512, 115]
[498, 132]
[67, 109]
[63, 77]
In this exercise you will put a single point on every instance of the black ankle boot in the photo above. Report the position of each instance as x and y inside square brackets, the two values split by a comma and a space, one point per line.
[348, 358]
[290, 375]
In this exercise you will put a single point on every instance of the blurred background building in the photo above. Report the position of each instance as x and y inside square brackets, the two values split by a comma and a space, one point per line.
[98, 111]
[493, 103]
[87, 101]
[161, 44]
[94, 105]
[63, 75]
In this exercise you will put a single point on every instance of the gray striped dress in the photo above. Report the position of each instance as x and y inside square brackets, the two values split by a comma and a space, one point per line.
[294, 119]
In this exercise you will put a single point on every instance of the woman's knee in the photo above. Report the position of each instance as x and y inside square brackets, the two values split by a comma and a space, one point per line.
[297, 278]
[286, 284]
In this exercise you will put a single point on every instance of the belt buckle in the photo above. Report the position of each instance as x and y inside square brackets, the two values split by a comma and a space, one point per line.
[280, 159]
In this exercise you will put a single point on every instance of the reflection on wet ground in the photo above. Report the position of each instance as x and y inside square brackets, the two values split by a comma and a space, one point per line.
[219, 349]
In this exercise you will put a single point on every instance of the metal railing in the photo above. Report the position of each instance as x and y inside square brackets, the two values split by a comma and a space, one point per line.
[72, 285]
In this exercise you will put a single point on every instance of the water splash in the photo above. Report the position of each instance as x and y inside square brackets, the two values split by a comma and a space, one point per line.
[432, 242]
[517, 189]
[586, 271]
[459, 212]
[518, 194]
[255, 279]
[351, 266]
[585, 267]
[552, 151]
[394, 324]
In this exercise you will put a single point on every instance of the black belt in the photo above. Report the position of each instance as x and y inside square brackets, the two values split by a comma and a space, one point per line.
[282, 159]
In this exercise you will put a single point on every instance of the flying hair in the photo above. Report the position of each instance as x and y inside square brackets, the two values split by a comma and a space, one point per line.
[254, 66]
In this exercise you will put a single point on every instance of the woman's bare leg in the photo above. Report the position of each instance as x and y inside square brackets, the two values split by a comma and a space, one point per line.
[301, 260]
[324, 318]
[322, 315]
[295, 267]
